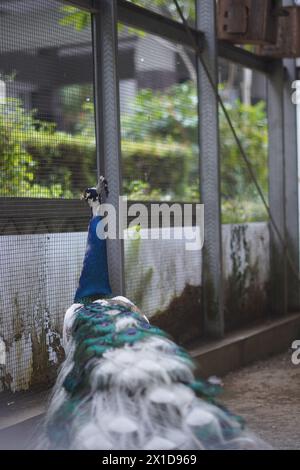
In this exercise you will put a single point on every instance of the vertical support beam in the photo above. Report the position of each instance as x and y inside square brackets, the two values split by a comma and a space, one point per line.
[212, 275]
[291, 180]
[278, 286]
[298, 149]
[108, 124]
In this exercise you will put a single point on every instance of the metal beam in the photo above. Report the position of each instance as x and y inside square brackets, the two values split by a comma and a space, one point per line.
[154, 23]
[36, 70]
[146, 20]
[107, 111]
[291, 180]
[244, 58]
[291, 186]
[212, 275]
[278, 287]
[20, 216]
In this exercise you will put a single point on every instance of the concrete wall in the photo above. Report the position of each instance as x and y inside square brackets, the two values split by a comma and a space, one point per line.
[39, 273]
[38, 276]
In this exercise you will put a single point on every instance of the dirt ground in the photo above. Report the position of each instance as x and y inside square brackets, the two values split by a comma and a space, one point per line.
[267, 395]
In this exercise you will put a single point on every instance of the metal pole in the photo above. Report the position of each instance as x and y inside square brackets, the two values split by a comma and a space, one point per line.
[107, 112]
[278, 269]
[291, 180]
[212, 275]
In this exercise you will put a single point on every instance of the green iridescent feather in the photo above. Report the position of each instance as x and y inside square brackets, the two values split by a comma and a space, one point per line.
[94, 333]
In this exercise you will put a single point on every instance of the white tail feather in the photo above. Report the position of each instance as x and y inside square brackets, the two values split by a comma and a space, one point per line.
[137, 399]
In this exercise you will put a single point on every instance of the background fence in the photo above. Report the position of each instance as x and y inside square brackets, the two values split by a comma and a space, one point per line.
[112, 87]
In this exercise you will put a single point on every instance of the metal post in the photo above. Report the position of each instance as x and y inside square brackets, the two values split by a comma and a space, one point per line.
[291, 180]
[108, 124]
[212, 276]
[278, 288]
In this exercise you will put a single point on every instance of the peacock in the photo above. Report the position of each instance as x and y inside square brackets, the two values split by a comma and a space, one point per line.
[124, 383]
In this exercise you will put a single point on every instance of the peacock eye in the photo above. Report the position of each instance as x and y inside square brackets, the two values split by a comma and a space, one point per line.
[131, 331]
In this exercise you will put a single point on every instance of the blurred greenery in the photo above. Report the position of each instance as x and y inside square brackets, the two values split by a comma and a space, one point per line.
[153, 167]
[159, 151]
[250, 122]
[17, 165]
[78, 109]
[75, 18]
[170, 116]
[164, 124]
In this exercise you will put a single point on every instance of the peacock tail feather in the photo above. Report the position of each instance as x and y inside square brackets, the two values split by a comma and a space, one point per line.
[126, 385]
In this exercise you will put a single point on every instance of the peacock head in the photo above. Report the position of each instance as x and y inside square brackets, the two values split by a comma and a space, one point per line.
[95, 196]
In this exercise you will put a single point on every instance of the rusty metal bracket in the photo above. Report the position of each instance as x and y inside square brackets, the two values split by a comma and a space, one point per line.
[248, 21]
[288, 37]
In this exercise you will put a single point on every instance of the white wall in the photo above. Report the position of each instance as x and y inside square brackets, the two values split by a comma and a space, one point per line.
[39, 273]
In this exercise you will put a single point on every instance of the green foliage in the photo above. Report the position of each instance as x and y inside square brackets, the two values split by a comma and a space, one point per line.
[17, 167]
[251, 125]
[241, 211]
[15, 162]
[75, 18]
[157, 169]
[39, 161]
[160, 119]
[62, 159]
[171, 116]
[79, 20]
[159, 151]
[78, 109]
[138, 190]
[70, 162]
[240, 200]
[160, 142]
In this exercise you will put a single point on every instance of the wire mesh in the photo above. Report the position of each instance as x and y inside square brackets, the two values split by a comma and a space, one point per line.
[244, 92]
[160, 162]
[46, 100]
[47, 157]
[167, 8]
[160, 153]
[246, 244]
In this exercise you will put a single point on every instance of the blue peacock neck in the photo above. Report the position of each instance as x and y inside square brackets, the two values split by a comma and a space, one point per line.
[94, 279]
